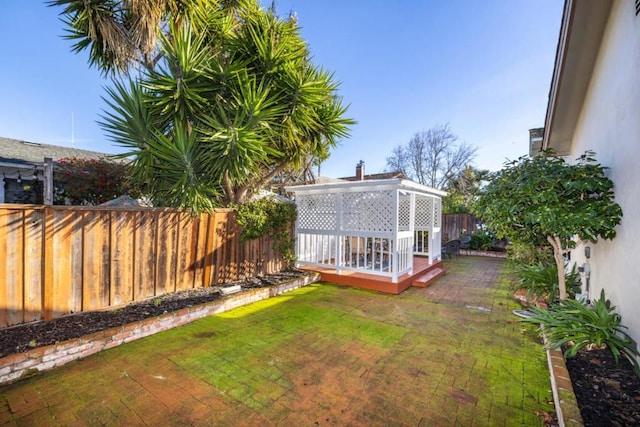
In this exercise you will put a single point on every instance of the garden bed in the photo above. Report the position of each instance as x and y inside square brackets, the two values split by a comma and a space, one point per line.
[21, 338]
[607, 394]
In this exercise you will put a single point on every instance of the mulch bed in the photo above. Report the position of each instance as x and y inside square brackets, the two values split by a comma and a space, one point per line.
[18, 339]
[607, 394]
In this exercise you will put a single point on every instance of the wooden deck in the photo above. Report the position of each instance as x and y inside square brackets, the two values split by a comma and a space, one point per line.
[423, 275]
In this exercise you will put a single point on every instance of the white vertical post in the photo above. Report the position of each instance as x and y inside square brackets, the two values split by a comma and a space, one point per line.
[412, 228]
[338, 237]
[432, 234]
[395, 225]
[437, 202]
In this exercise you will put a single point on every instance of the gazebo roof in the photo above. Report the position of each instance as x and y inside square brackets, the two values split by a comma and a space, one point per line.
[372, 185]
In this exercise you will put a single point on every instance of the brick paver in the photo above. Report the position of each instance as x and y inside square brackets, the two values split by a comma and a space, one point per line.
[449, 354]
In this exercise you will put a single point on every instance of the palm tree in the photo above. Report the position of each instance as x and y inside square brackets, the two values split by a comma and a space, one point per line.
[228, 100]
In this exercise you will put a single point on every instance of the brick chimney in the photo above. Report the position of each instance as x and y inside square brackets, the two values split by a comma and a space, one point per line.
[360, 171]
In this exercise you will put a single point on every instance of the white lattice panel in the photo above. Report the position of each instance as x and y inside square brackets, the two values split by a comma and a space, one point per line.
[437, 212]
[316, 211]
[424, 210]
[404, 213]
[367, 211]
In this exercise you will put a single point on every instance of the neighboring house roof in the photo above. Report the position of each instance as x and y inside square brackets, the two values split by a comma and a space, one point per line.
[581, 31]
[370, 177]
[21, 152]
[384, 175]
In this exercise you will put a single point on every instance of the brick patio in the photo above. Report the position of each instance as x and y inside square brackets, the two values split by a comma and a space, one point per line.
[449, 354]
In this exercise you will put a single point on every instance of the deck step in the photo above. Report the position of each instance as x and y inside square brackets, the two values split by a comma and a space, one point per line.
[429, 277]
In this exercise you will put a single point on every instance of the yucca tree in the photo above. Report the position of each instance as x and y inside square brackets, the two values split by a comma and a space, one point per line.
[230, 100]
[121, 34]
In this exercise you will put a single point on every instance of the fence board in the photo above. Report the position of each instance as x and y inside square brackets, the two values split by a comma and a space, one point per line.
[167, 248]
[122, 257]
[11, 284]
[96, 257]
[456, 225]
[199, 254]
[145, 267]
[33, 253]
[217, 249]
[185, 252]
[4, 274]
[66, 270]
[60, 260]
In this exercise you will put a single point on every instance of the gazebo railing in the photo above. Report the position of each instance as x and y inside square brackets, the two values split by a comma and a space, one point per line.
[421, 242]
[373, 254]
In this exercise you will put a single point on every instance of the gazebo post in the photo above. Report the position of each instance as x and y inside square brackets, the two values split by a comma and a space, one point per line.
[412, 224]
[338, 237]
[432, 233]
[396, 248]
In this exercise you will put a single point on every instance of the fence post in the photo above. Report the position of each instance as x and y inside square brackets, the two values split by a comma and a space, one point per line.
[48, 181]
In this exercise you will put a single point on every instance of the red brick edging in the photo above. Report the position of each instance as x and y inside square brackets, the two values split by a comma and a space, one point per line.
[564, 397]
[17, 366]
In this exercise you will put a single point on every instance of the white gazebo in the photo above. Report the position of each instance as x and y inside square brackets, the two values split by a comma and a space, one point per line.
[368, 226]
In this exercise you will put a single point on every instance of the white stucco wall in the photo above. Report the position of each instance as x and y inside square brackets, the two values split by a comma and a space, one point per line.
[609, 124]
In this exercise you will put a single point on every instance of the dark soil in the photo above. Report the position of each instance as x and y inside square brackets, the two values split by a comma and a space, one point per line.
[607, 394]
[21, 338]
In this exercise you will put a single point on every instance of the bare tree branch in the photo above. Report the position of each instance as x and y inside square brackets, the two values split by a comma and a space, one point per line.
[432, 157]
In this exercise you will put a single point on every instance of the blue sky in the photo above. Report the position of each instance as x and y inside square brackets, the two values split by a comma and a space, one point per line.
[404, 66]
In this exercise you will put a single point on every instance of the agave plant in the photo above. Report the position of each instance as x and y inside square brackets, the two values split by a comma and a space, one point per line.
[581, 326]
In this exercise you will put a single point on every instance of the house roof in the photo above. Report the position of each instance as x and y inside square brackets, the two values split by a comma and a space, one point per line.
[384, 175]
[15, 151]
[581, 32]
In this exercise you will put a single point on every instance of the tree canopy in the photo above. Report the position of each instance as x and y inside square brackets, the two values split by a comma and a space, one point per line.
[224, 99]
[432, 157]
[464, 189]
[546, 200]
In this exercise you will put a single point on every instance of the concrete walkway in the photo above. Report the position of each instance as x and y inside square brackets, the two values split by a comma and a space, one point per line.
[450, 354]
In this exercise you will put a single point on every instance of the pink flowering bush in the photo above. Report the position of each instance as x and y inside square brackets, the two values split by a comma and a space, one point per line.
[91, 181]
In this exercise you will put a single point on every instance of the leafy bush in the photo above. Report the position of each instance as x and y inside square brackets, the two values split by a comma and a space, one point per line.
[521, 253]
[269, 217]
[578, 325]
[92, 181]
[542, 280]
[482, 240]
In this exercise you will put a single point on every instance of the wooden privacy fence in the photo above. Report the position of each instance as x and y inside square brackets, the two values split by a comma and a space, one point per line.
[60, 260]
[456, 225]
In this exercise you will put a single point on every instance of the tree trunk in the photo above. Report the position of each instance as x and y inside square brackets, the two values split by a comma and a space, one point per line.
[556, 244]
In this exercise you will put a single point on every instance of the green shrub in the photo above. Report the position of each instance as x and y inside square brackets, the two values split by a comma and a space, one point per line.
[482, 240]
[573, 323]
[521, 253]
[542, 280]
[269, 217]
